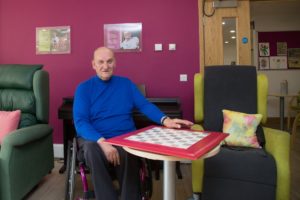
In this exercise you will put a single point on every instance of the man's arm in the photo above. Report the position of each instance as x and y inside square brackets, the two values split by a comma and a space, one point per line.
[81, 115]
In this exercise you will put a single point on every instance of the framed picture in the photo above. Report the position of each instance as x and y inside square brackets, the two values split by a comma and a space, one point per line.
[264, 63]
[278, 62]
[294, 58]
[281, 48]
[53, 40]
[125, 37]
[264, 49]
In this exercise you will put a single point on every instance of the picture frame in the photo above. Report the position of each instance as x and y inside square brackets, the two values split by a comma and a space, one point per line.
[278, 62]
[264, 63]
[294, 58]
[264, 49]
[125, 37]
[281, 48]
[53, 40]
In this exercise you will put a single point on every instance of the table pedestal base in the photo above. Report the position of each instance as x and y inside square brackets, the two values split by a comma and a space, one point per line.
[169, 180]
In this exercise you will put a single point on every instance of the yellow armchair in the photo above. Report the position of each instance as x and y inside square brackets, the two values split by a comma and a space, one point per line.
[277, 142]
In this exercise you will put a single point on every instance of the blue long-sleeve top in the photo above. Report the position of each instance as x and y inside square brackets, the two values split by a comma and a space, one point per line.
[104, 108]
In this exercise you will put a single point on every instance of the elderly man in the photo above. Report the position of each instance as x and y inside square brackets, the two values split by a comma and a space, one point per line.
[103, 108]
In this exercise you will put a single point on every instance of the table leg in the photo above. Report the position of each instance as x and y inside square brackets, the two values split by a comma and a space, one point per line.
[281, 109]
[169, 180]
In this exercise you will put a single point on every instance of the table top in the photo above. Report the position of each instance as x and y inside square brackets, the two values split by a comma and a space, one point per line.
[179, 143]
[156, 156]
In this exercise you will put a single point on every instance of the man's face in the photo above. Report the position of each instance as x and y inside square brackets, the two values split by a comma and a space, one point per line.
[127, 35]
[104, 63]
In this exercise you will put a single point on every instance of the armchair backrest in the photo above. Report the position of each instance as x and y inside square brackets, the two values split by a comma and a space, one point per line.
[223, 82]
[25, 87]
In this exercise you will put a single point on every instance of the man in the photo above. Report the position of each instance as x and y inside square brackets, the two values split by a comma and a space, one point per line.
[103, 109]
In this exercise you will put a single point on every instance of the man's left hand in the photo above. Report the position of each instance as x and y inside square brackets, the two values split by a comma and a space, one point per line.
[177, 123]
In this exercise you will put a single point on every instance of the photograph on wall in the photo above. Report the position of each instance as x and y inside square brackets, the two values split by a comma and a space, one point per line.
[294, 58]
[278, 62]
[125, 37]
[281, 48]
[53, 40]
[264, 63]
[264, 49]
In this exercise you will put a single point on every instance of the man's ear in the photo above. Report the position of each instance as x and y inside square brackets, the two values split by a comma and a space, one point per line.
[93, 64]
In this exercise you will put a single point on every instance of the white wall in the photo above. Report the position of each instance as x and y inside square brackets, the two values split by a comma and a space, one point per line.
[276, 16]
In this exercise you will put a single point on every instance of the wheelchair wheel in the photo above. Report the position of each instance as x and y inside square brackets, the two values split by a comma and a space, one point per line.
[71, 170]
[146, 179]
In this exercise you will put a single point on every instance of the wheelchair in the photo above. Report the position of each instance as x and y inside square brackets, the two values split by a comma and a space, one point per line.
[76, 165]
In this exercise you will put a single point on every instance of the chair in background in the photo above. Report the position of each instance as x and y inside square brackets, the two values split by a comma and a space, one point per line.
[234, 174]
[296, 123]
[26, 154]
[294, 106]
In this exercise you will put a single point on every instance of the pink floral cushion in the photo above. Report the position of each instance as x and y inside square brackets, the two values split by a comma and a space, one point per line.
[9, 121]
[241, 128]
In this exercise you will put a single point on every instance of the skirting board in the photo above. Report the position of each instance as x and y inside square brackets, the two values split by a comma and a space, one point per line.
[58, 150]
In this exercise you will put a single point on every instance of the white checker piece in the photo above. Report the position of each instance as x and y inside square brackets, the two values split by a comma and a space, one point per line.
[169, 137]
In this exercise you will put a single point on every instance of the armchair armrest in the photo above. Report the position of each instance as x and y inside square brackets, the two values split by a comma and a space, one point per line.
[25, 135]
[278, 144]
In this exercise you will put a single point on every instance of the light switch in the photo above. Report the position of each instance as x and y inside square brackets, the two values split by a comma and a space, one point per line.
[183, 77]
[172, 47]
[158, 47]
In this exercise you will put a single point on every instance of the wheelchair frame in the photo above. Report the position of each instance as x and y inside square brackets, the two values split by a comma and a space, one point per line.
[74, 166]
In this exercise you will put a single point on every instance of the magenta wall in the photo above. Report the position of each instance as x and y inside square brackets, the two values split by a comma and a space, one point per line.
[164, 21]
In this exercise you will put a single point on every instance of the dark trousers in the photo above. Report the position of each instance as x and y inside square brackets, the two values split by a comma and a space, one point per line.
[127, 172]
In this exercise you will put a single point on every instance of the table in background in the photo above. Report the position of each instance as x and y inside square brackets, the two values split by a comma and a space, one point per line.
[281, 106]
[170, 106]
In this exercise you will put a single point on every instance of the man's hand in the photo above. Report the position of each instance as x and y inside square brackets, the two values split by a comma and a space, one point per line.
[177, 123]
[111, 153]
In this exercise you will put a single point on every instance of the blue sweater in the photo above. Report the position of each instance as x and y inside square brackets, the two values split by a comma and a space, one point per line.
[104, 108]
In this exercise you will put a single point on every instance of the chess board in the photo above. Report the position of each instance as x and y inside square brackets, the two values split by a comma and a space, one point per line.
[183, 143]
[168, 137]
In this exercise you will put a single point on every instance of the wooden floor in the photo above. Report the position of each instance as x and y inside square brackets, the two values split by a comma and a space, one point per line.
[53, 185]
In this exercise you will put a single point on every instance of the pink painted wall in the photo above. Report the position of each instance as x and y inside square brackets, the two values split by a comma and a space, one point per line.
[167, 21]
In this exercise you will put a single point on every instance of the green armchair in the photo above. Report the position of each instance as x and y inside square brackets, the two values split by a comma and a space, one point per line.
[277, 142]
[26, 154]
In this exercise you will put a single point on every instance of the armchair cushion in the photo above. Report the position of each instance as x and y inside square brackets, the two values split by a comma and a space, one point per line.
[9, 121]
[241, 128]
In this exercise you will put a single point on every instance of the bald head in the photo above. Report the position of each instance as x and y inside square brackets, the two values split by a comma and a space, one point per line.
[104, 63]
[102, 50]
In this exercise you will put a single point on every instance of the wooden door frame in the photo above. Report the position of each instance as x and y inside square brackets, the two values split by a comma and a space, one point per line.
[242, 14]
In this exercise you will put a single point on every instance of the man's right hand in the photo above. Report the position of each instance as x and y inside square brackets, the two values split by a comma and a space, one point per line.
[111, 153]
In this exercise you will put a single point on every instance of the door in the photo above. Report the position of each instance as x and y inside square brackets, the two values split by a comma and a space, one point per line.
[213, 32]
